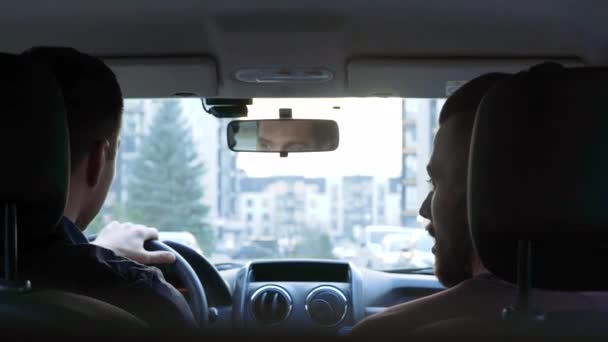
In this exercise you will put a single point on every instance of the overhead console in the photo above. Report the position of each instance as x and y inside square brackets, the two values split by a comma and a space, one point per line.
[322, 296]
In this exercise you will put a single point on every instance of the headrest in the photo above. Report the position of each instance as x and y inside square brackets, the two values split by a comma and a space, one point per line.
[34, 144]
[539, 171]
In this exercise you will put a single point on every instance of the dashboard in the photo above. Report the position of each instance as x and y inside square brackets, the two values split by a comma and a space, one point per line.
[319, 296]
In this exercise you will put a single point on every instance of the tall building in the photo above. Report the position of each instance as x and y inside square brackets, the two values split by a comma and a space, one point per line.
[419, 122]
[357, 199]
[368, 200]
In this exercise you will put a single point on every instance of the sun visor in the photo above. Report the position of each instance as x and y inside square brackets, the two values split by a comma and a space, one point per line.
[164, 77]
[427, 78]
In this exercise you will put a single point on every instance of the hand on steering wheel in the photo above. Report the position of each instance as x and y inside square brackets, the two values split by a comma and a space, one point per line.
[127, 240]
[190, 280]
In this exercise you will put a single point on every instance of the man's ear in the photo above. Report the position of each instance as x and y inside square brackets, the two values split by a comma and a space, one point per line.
[97, 162]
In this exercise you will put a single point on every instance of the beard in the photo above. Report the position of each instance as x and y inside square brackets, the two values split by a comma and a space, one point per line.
[453, 253]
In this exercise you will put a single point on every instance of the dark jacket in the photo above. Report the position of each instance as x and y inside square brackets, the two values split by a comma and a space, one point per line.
[68, 262]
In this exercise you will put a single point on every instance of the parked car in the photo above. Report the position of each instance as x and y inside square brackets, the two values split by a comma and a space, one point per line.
[373, 249]
[409, 249]
[373, 236]
[397, 250]
[422, 250]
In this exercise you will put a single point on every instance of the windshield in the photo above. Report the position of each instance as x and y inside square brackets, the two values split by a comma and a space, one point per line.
[175, 172]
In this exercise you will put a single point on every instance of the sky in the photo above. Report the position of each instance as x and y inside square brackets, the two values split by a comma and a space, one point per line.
[370, 138]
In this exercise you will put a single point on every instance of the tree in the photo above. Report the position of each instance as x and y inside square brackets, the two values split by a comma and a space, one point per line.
[164, 188]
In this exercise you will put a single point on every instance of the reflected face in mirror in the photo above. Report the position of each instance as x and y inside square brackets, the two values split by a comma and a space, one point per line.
[283, 136]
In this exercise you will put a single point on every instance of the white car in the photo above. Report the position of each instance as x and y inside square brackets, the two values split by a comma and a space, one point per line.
[410, 249]
[374, 235]
[395, 250]
[398, 249]
[422, 251]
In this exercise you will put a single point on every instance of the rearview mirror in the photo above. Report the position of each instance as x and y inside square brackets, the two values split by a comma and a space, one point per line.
[283, 135]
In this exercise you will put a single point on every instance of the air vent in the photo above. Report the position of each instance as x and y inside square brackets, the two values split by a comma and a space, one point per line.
[270, 304]
[326, 305]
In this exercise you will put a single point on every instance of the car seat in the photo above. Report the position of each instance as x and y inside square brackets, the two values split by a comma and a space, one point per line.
[34, 180]
[538, 196]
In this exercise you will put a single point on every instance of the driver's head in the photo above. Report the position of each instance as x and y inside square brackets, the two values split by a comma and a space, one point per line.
[94, 105]
[445, 206]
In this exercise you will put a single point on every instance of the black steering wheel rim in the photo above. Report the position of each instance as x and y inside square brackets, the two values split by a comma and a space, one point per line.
[190, 280]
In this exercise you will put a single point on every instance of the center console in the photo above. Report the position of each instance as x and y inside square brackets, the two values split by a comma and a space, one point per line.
[315, 295]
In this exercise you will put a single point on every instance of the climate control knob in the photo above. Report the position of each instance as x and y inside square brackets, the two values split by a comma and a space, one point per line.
[326, 305]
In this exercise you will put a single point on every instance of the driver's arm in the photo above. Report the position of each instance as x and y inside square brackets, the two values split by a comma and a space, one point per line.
[127, 240]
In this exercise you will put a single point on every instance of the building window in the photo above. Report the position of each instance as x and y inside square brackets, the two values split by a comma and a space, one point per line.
[411, 198]
[410, 221]
[266, 217]
[411, 137]
[381, 195]
[411, 106]
[127, 144]
[249, 203]
[265, 203]
[132, 126]
[249, 217]
[411, 167]
[130, 122]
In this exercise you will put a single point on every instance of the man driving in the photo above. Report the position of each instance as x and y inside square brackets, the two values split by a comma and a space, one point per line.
[67, 261]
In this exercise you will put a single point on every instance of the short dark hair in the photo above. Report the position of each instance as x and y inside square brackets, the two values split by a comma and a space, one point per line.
[467, 98]
[92, 97]
[321, 131]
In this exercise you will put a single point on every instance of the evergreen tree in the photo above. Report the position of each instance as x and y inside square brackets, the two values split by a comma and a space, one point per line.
[164, 189]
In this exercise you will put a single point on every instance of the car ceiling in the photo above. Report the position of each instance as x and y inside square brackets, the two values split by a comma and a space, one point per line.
[313, 33]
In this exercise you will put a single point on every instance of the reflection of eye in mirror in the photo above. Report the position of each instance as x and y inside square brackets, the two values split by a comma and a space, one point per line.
[283, 135]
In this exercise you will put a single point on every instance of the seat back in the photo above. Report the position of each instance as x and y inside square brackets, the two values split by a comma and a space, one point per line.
[34, 145]
[35, 156]
[34, 180]
[537, 173]
[537, 196]
[59, 313]
[572, 323]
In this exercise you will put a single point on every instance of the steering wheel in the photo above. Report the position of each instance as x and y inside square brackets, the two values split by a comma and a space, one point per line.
[190, 280]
